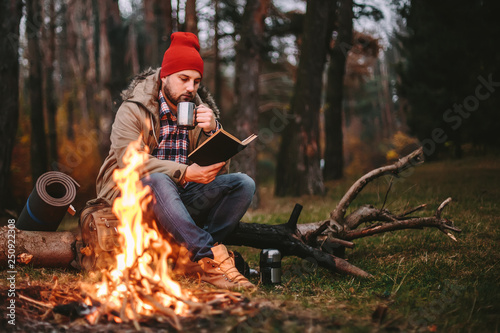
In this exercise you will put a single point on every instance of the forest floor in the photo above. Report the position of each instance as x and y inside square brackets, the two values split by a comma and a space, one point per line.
[423, 281]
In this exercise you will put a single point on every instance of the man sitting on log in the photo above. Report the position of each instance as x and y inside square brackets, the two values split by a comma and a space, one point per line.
[198, 206]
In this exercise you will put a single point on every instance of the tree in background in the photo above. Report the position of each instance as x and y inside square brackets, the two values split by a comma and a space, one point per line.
[336, 97]
[151, 23]
[450, 49]
[38, 151]
[334, 152]
[191, 21]
[49, 44]
[158, 25]
[111, 78]
[10, 16]
[248, 69]
[298, 167]
[216, 66]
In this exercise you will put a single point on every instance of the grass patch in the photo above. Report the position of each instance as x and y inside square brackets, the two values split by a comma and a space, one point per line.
[426, 281]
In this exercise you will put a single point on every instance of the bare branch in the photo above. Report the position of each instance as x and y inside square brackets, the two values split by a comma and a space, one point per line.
[387, 193]
[365, 214]
[414, 223]
[311, 236]
[413, 210]
[327, 240]
[441, 207]
[413, 159]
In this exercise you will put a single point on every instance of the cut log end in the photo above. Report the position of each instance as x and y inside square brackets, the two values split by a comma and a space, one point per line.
[39, 248]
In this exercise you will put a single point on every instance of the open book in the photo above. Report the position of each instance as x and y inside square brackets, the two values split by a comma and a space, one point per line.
[219, 147]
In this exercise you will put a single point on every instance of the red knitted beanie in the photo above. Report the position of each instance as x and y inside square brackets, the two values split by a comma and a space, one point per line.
[183, 54]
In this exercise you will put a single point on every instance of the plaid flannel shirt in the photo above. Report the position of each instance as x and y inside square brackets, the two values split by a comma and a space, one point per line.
[174, 141]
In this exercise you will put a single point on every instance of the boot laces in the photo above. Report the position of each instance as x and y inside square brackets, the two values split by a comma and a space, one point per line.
[231, 271]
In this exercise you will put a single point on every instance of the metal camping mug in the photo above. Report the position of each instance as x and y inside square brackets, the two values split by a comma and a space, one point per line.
[186, 115]
[270, 266]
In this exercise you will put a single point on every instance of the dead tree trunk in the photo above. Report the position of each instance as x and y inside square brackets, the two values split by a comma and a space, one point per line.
[314, 241]
[288, 239]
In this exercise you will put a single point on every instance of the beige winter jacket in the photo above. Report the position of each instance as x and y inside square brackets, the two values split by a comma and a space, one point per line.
[138, 117]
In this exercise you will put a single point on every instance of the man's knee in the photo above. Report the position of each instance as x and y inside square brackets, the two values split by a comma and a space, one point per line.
[246, 183]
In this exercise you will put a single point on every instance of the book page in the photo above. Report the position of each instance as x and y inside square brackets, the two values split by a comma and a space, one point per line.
[249, 139]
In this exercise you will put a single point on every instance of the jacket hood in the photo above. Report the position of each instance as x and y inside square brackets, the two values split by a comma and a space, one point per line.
[145, 86]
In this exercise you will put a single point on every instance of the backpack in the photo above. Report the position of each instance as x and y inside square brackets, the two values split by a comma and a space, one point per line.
[100, 238]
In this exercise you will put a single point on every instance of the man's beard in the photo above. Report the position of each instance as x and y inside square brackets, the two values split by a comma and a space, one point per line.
[186, 97]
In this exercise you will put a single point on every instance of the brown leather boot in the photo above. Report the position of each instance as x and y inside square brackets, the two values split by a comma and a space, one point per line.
[184, 265]
[221, 271]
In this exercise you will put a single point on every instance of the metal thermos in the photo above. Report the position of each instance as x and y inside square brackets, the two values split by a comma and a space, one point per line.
[270, 266]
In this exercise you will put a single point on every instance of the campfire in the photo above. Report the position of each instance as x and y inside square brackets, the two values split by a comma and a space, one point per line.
[138, 288]
[140, 285]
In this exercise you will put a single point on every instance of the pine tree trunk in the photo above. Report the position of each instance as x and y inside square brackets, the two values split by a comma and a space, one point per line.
[191, 21]
[298, 169]
[217, 73]
[165, 26]
[49, 83]
[10, 16]
[334, 160]
[70, 68]
[247, 68]
[151, 47]
[38, 148]
[110, 69]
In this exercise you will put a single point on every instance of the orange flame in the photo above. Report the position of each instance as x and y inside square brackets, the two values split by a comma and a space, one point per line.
[141, 277]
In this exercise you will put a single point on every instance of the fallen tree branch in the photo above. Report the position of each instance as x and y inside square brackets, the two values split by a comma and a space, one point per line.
[366, 214]
[442, 206]
[414, 223]
[413, 210]
[413, 159]
[388, 222]
[280, 237]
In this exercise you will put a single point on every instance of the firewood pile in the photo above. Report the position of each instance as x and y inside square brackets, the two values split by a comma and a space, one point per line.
[45, 306]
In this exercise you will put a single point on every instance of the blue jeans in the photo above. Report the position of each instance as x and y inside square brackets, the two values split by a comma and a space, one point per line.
[200, 215]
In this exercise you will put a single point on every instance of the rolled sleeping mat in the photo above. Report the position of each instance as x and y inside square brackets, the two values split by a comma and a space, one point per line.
[48, 202]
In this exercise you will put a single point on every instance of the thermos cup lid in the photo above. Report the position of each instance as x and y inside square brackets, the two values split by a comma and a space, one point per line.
[270, 255]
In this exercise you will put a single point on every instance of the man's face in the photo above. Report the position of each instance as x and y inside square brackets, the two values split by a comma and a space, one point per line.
[181, 86]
